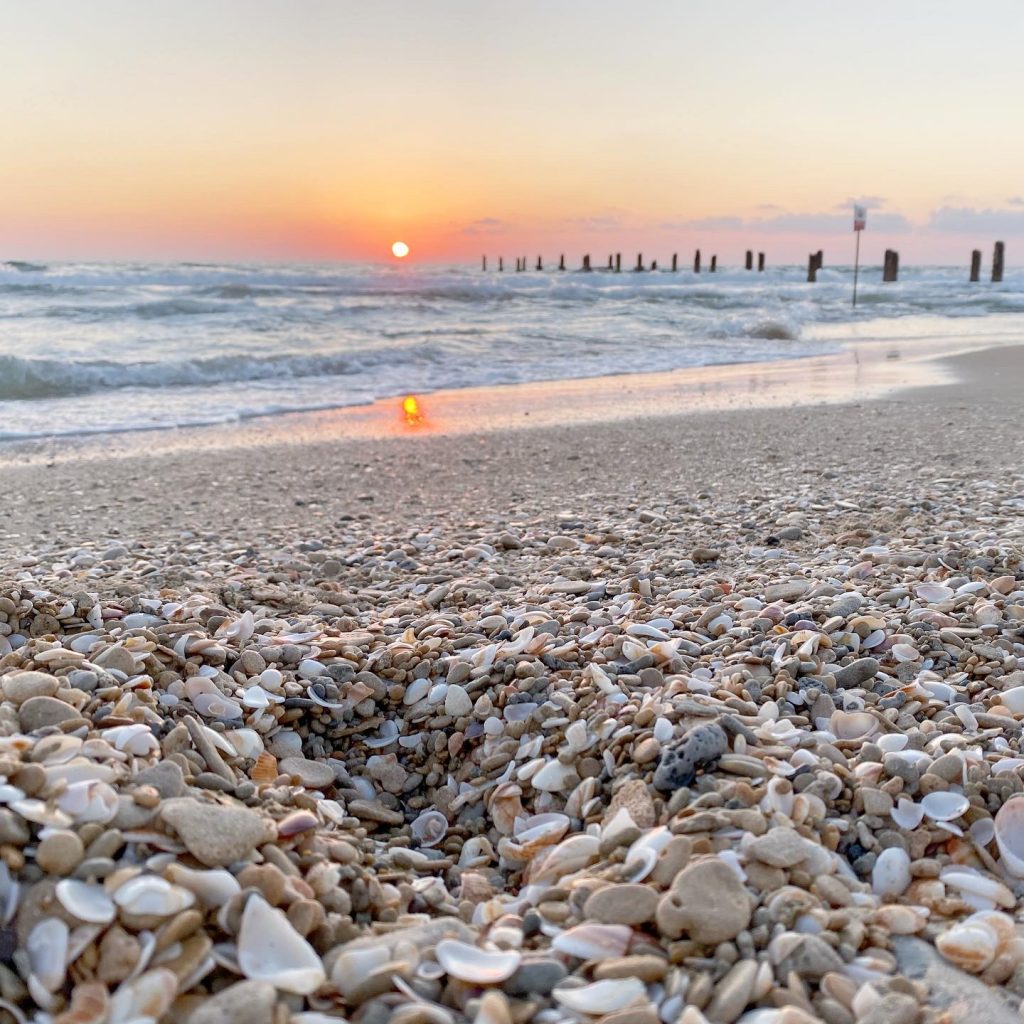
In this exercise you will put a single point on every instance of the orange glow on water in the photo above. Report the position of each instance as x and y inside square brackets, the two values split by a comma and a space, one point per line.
[411, 409]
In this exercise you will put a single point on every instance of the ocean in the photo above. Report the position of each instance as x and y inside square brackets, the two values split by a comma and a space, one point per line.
[88, 348]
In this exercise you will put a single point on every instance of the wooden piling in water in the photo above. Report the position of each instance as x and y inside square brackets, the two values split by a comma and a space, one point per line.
[618, 262]
[586, 263]
[998, 254]
[750, 260]
[891, 266]
[654, 264]
[714, 264]
[639, 261]
[760, 262]
[814, 262]
[675, 262]
[540, 263]
[561, 262]
[501, 264]
[484, 258]
[975, 264]
[696, 262]
[611, 262]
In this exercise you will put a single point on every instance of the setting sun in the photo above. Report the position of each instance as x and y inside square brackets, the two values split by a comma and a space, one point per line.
[400, 249]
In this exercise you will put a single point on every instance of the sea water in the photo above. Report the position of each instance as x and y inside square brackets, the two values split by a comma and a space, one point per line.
[94, 347]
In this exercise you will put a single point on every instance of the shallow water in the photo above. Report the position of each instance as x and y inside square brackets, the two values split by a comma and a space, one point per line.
[87, 348]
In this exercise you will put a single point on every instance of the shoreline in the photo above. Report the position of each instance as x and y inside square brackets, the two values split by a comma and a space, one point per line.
[858, 371]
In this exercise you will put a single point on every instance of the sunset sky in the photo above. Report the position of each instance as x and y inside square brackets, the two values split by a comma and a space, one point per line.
[326, 129]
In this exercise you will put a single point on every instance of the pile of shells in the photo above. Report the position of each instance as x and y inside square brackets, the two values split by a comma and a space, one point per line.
[559, 772]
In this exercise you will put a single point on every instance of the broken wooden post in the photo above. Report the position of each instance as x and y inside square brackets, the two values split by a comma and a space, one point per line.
[696, 262]
[611, 262]
[814, 262]
[639, 261]
[891, 266]
[675, 262]
[586, 263]
[618, 262]
[484, 258]
[501, 263]
[997, 262]
[714, 264]
[654, 264]
[561, 262]
[975, 264]
[540, 264]
[760, 262]
[750, 260]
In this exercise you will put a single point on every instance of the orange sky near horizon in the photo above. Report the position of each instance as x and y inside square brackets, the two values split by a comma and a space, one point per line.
[326, 130]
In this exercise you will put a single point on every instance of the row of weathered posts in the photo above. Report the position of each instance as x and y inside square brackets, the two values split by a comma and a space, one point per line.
[815, 262]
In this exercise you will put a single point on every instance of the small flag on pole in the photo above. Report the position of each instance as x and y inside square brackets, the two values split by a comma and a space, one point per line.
[860, 217]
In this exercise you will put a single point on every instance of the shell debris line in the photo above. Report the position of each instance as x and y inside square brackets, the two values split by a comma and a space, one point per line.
[694, 762]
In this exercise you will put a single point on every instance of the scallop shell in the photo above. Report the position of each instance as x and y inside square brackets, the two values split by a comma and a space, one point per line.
[270, 949]
[907, 814]
[591, 941]
[265, 768]
[853, 725]
[969, 944]
[429, 828]
[1009, 825]
[601, 997]
[474, 965]
[945, 806]
[85, 902]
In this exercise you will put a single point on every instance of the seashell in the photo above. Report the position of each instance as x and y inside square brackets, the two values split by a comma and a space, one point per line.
[85, 902]
[429, 828]
[971, 945]
[147, 997]
[216, 705]
[891, 874]
[569, 855]
[270, 949]
[1013, 698]
[907, 814]
[352, 967]
[213, 887]
[476, 852]
[505, 806]
[981, 891]
[901, 920]
[983, 831]
[296, 823]
[933, 592]
[265, 768]
[386, 735]
[892, 742]
[555, 777]
[146, 895]
[90, 1003]
[134, 739]
[943, 805]
[853, 725]
[601, 997]
[416, 691]
[47, 949]
[474, 965]
[591, 941]
[905, 652]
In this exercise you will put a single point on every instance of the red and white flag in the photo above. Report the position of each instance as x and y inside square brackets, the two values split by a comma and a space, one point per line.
[860, 217]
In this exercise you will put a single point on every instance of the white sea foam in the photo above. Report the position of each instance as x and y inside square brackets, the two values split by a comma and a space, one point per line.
[92, 347]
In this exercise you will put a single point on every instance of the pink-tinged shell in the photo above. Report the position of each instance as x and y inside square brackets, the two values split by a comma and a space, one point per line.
[474, 965]
[90, 1003]
[1009, 825]
[594, 941]
[971, 946]
[853, 725]
[296, 822]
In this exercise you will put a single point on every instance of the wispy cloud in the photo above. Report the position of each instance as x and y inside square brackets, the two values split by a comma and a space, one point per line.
[1016, 201]
[485, 226]
[972, 220]
[602, 222]
[871, 202]
[791, 222]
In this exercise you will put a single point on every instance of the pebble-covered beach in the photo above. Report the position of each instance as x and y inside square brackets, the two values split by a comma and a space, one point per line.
[709, 719]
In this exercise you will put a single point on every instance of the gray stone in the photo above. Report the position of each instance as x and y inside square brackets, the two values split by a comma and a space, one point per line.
[893, 1008]
[40, 712]
[856, 673]
[812, 958]
[22, 686]
[535, 977]
[165, 777]
[312, 774]
[789, 592]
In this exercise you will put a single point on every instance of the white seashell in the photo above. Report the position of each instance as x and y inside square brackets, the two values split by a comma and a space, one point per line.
[601, 997]
[944, 806]
[983, 831]
[987, 890]
[594, 941]
[891, 742]
[416, 691]
[474, 965]
[1013, 699]
[270, 949]
[386, 735]
[907, 814]
[216, 705]
[853, 725]
[933, 592]
[569, 855]
[969, 944]
[905, 652]
[47, 948]
[85, 902]
[555, 777]
[135, 739]
[150, 894]
[213, 887]
[246, 742]
[891, 873]
[1009, 829]
[429, 828]
[351, 968]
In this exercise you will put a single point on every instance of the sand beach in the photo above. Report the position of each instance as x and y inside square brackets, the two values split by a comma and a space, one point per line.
[689, 697]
